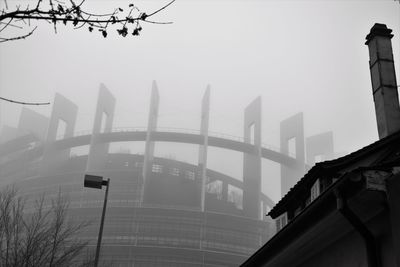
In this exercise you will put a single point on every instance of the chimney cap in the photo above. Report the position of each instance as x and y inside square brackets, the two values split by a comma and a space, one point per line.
[378, 29]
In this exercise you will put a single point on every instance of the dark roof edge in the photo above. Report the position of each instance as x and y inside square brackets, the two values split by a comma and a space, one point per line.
[331, 165]
[302, 221]
[275, 243]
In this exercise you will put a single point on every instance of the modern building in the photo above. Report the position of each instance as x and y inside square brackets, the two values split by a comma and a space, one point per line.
[346, 212]
[161, 212]
[157, 221]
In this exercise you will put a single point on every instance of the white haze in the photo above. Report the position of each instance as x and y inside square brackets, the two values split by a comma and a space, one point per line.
[298, 55]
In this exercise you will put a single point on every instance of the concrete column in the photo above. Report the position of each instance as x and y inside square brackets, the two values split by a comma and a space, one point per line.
[151, 127]
[383, 77]
[252, 161]
[66, 110]
[98, 151]
[292, 127]
[202, 162]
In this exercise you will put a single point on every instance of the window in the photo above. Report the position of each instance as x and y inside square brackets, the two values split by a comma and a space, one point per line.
[79, 151]
[281, 221]
[235, 195]
[315, 190]
[174, 171]
[189, 175]
[215, 187]
[156, 168]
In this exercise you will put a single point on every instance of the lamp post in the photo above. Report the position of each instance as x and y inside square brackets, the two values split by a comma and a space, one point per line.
[97, 182]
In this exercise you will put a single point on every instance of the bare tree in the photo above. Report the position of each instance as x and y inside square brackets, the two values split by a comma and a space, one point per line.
[43, 237]
[57, 11]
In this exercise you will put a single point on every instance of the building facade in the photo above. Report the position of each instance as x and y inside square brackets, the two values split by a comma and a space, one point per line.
[168, 228]
[160, 212]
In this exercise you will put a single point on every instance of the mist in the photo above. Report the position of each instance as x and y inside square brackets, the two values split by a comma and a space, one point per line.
[299, 56]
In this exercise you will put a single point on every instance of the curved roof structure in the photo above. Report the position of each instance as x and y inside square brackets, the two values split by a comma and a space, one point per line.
[209, 216]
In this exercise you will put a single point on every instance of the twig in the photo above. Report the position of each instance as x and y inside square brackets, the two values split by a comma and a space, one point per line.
[157, 22]
[164, 7]
[24, 103]
[17, 38]
[5, 26]
[11, 25]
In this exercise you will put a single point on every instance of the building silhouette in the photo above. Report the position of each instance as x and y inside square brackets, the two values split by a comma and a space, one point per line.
[161, 212]
[346, 212]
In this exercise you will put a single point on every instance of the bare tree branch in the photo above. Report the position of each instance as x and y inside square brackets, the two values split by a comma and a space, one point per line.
[161, 9]
[14, 39]
[24, 103]
[57, 11]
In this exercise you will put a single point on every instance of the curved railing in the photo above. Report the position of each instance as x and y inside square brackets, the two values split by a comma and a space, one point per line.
[178, 130]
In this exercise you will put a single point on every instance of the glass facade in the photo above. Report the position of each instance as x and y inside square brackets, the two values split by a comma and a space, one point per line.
[168, 228]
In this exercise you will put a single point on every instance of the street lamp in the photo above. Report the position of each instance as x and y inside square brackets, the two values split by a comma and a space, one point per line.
[97, 182]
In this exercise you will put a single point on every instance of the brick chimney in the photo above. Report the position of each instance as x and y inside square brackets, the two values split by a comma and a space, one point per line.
[383, 77]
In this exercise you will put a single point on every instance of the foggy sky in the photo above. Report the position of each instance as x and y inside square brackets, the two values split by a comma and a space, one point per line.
[304, 56]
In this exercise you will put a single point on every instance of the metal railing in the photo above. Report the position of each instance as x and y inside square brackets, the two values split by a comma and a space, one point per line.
[179, 130]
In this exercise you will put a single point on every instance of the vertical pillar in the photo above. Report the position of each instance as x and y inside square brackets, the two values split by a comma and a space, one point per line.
[383, 77]
[202, 163]
[290, 128]
[33, 122]
[252, 161]
[319, 145]
[103, 120]
[65, 110]
[149, 146]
